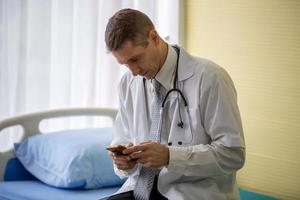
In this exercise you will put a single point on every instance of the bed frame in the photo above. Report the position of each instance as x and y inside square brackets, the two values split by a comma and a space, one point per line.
[30, 124]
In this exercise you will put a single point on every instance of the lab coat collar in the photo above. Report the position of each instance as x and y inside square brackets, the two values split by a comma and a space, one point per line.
[185, 65]
[165, 74]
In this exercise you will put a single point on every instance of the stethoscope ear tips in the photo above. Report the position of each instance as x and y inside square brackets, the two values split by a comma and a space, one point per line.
[180, 124]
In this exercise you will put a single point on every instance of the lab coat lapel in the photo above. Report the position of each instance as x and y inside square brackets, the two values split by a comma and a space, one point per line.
[185, 71]
[185, 65]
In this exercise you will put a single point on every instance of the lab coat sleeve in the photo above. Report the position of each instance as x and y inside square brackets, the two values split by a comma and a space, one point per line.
[121, 133]
[225, 153]
[206, 160]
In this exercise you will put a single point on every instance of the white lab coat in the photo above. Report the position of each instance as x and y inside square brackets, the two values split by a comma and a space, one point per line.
[207, 152]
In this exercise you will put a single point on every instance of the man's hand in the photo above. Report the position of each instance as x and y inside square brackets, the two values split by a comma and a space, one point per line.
[149, 154]
[123, 162]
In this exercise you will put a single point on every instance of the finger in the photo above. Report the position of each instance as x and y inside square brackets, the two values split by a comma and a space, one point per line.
[138, 155]
[122, 158]
[110, 153]
[142, 160]
[129, 145]
[121, 163]
[136, 148]
[122, 166]
[125, 165]
[147, 142]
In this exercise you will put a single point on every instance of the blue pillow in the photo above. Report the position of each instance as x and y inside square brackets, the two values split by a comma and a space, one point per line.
[74, 159]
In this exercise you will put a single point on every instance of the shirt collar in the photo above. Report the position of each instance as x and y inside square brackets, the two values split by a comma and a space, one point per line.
[166, 73]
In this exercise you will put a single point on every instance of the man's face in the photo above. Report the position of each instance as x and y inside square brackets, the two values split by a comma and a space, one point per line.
[143, 61]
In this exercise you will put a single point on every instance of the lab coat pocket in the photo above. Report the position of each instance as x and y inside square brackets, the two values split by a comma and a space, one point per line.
[180, 131]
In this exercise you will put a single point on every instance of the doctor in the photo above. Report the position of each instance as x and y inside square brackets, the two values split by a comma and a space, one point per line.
[200, 142]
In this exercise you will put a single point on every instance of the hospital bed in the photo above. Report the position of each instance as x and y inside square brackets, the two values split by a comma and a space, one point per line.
[17, 183]
[75, 164]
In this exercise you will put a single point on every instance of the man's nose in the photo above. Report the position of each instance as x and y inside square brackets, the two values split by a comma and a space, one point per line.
[135, 70]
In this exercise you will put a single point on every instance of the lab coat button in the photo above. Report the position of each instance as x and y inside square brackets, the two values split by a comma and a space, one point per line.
[169, 143]
[180, 143]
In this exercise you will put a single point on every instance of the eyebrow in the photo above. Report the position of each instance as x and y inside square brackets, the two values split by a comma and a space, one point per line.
[134, 57]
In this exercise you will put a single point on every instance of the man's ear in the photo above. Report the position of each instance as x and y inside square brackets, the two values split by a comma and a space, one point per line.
[153, 35]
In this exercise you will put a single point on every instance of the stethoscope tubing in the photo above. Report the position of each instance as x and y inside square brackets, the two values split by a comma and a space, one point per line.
[175, 82]
[169, 92]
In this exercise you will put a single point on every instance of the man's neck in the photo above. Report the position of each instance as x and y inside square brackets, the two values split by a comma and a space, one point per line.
[164, 53]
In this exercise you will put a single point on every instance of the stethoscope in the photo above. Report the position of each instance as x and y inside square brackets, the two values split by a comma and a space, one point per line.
[176, 90]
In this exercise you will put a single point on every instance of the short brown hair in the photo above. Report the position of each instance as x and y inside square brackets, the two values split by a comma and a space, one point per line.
[127, 25]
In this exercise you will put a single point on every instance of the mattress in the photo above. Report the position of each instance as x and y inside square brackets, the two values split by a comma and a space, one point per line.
[36, 190]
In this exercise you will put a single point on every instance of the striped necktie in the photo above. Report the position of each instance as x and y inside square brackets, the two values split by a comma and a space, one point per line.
[146, 178]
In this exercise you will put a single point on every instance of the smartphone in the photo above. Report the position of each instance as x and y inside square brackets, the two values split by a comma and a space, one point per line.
[117, 149]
